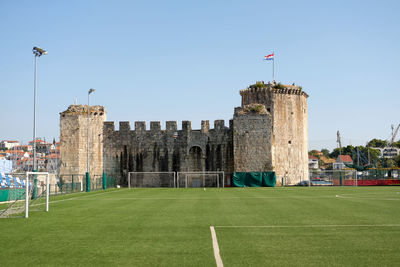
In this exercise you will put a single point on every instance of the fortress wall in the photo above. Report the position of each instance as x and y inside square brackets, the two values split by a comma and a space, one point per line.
[153, 150]
[252, 141]
[290, 135]
[73, 140]
[268, 132]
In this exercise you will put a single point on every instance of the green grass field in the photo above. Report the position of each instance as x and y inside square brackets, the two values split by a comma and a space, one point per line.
[318, 226]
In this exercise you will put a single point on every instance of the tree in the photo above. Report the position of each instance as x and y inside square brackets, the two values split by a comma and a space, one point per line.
[314, 153]
[345, 151]
[377, 143]
[325, 152]
[397, 160]
[396, 144]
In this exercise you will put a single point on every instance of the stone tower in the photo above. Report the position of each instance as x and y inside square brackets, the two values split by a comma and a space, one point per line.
[73, 139]
[271, 131]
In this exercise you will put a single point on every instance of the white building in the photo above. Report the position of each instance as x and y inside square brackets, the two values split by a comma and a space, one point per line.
[313, 162]
[8, 144]
[340, 162]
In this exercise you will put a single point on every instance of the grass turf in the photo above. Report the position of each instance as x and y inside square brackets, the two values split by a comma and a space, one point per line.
[329, 226]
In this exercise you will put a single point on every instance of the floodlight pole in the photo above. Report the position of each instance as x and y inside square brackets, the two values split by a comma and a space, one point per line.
[37, 52]
[88, 142]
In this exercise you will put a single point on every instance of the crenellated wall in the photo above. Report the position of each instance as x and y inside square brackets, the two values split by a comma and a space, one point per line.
[138, 149]
[268, 132]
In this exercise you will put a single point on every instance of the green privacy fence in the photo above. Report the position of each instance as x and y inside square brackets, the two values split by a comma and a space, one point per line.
[12, 194]
[254, 179]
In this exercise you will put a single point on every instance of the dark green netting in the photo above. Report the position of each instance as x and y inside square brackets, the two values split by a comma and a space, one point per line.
[12, 194]
[254, 179]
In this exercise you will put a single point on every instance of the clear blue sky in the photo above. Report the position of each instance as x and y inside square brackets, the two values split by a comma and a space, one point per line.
[187, 60]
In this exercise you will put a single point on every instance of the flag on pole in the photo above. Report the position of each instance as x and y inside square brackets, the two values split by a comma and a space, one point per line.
[269, 57]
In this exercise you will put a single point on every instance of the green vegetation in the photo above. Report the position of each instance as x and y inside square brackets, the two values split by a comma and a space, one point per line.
[279, 86]
[325, 152]
[377, 143]
[256, 108]
[258, 85]
[171, 227]
[367, 151]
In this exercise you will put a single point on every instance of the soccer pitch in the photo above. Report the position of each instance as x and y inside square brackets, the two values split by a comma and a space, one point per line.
[317, 226]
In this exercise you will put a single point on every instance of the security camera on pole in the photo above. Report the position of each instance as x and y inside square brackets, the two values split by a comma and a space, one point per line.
[88, 141]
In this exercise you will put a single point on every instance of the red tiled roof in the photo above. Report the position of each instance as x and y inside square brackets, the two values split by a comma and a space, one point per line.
[344, 158]
[312, 157]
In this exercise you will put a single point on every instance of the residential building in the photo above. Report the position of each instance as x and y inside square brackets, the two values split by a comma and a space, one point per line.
[341, 161]
[313, 162]
[8, 144]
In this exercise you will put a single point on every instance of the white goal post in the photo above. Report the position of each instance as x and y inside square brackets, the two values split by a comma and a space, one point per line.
[201, 179]
[30, 186]
[151, 179]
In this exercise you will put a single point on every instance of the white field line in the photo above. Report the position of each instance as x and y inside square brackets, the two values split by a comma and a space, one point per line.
[76, 198]
[217, 256]
[367, 198]
[308, 226]
[85, 196]
[214, 198]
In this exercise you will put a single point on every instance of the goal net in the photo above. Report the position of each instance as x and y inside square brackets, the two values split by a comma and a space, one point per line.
[151, 179]
[200, 179]
[23, 193]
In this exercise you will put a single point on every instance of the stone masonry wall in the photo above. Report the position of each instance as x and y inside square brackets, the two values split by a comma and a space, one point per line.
[290, 146]
[171, 149]
[268, 132]
[73, 139]
[289, 128]
[252, 141]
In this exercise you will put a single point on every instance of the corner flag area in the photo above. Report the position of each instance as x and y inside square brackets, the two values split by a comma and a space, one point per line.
[330, 226]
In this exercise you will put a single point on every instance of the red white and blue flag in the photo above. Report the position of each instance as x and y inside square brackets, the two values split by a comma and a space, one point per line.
[269, 57]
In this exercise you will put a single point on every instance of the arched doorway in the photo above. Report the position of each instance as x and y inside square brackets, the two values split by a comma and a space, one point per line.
[196, 163]
[195, 160]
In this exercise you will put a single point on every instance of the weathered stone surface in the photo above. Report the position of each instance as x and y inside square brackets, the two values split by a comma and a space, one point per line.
[289, 129]
[268, 132]
[251, 141]
[74, 136]
[167, 150]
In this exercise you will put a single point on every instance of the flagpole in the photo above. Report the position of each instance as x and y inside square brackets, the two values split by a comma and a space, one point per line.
[273, 66]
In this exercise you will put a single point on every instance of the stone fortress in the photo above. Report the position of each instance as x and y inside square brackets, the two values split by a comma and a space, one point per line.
[268, 132]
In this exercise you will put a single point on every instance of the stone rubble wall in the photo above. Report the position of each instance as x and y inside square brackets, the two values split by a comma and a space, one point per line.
[252, 141]
[156, 150]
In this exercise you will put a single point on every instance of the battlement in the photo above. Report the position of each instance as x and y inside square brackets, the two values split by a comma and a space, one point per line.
[274, 88]
[170, 126]
[261, 93]
[290, 91]
[83, 110]
[268, 131]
